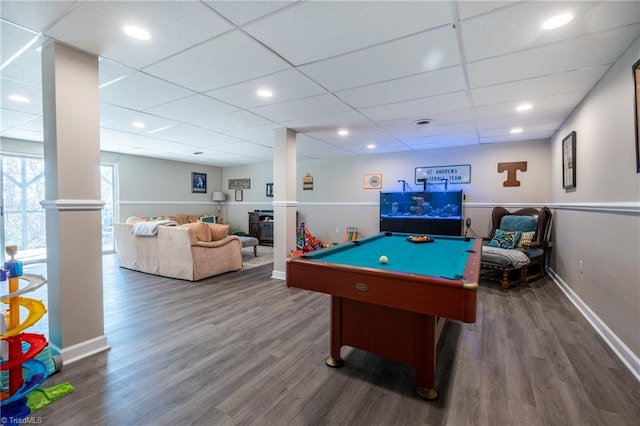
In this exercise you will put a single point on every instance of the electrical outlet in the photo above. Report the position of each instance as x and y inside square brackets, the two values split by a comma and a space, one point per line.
[580, 266]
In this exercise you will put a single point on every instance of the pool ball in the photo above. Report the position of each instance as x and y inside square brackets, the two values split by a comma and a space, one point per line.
[383, 259]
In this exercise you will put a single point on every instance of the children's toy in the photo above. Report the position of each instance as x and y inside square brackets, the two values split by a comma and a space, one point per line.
[351, 234]
[306, 241]
[18, 350]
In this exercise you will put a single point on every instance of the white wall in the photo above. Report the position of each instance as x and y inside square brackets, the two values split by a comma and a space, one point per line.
[338, 198]
[598, 222]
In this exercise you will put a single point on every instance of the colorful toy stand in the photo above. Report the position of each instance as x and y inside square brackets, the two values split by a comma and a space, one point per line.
[18, 350]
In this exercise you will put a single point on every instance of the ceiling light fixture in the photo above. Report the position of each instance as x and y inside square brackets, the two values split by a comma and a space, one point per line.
[524, 107]
[371, 146]
[138, 125]
[343, 132]
[557, 21]
[264, 93]
[19, 52]
[136, 32]
[516, 130]
[19, 98]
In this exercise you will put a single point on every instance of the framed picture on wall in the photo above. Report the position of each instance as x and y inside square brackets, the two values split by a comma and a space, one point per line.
[198, 182]
[569, 161]
[636, 84]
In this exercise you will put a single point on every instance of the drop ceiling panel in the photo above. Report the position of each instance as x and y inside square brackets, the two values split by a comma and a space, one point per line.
[409, 133]
[520, 27]
[226, 60]
[241, 12]
[174, 26]
[301, 108]
[408, 124]
[151, 123]
[407, 88]
[554, 58]
[12, 87]
[285, 85]
[330, 121]
[561, 101]
[35, 15]
[257, 133]
[426, 106]
[110, 71]
[577, 81]
[141, 91]
[26, 68]
[13, 39]
[311, 31]
[467, 9]
[186, 133]
[193, 109]
[232, 121]
[412, 55]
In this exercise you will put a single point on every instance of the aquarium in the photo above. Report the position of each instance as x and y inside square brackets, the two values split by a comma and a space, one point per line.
[435, 212]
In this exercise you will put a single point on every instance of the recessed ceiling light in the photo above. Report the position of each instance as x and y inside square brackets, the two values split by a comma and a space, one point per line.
[524, 107]
[136, 32]
[343, 132]
[264, 93]
[371, 146]
[19, 98]
[138, 125]
[557, 21]
[516, 130]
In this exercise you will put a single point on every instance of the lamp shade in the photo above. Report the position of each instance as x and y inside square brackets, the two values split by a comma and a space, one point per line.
[218, 196]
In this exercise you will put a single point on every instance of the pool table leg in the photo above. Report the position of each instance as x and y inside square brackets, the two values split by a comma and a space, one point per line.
[336, 334]
[426, 357]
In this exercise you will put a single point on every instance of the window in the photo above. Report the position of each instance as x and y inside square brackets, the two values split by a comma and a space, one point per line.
[24, 220]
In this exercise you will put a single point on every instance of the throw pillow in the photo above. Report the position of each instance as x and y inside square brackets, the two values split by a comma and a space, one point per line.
[505, 239]
[525, 237]
[518, 223]
[217, 230]
[200, 230]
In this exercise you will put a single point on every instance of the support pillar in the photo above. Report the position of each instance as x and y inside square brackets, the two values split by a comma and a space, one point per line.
[71, 106]
[285, 200]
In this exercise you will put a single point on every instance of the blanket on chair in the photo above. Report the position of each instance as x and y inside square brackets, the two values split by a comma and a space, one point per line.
[512, 257]
[150, 228]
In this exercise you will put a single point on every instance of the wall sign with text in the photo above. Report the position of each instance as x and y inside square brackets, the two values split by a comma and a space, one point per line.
[459, 173]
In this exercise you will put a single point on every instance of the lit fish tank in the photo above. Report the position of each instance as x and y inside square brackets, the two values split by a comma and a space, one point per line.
[438, 212]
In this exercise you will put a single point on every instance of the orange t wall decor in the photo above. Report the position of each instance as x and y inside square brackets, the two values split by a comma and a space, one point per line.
[511, 169]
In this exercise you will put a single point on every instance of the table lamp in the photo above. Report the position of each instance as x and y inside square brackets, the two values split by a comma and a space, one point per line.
[218, 196]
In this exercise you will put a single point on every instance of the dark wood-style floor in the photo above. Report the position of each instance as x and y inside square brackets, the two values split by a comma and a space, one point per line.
[242, 348]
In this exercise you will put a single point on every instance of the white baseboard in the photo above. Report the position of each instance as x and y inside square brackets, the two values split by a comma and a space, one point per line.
[82, 350]
[628, 358]
[278, 275]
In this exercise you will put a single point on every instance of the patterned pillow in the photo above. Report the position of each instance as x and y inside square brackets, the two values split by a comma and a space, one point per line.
[525, 237]
[505, 239]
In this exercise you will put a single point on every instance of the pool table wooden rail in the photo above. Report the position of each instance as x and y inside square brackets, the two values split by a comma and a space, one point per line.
[453, 299]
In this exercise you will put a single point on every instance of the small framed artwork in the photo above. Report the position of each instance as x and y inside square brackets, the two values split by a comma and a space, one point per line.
[636, 84]
[238, 194]
[199, 182]
[270, 190]
[372, 181]
[569, 161]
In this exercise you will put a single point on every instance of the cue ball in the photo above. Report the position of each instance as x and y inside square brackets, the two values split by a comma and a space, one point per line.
[383, 259]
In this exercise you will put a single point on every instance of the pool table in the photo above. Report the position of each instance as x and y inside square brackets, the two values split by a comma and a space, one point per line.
[396, 309]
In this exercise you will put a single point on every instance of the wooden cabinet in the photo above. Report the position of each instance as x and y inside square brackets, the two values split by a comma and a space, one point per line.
[261, 226]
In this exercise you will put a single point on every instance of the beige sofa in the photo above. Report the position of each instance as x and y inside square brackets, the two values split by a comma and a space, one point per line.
[191, 251]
